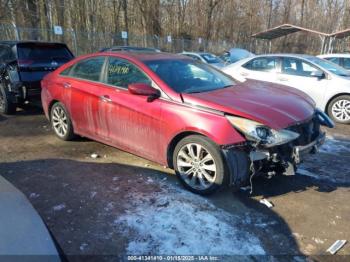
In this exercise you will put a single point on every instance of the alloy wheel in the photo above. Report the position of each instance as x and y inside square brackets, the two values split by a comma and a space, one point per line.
[196, 166]
[341, 110]
[60, 121]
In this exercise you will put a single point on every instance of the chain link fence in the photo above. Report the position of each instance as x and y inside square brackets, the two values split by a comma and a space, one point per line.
[88, 42]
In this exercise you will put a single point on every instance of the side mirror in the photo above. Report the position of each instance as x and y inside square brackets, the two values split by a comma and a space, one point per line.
[142, 89]
[318, 74]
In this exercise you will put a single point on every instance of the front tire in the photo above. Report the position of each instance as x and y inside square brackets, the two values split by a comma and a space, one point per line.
[339, 109]
[7, 107]
[61, 122]
[199, 164]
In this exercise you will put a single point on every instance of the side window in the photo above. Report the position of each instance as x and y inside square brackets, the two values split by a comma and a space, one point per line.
[265, 64]
[89, 69]
[121, 73]
[297, 67]
[335, 60]
[6, 54]
[346, 63]
[194, 57]
[66, 71]
[2, 53]
[307, 69]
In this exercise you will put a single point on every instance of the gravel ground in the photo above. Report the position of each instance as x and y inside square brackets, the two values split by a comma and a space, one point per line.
[119, 204]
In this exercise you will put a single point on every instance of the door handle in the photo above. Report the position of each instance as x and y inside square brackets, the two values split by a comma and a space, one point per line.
[244, 74]
[105, 98]
[282, 79]
[67, 85]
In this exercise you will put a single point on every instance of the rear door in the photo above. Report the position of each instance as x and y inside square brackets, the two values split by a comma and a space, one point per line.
[297, 73]
[81, 92]
[261, 68]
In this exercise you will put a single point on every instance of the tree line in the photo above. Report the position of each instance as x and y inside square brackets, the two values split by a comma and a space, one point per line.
[231, 20]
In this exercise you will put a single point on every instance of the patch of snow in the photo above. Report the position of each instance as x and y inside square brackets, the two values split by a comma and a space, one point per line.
[175, 222]
[109, 206]
[335, 146]
[59, 207]
[305, 172]
[149, 180]
[115, 188]
[93, 194]
[266, 224]
[34, 195]
[83, 246]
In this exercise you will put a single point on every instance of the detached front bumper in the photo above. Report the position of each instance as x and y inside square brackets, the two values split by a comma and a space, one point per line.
[299, 152]
[291, 152]
[279, 158]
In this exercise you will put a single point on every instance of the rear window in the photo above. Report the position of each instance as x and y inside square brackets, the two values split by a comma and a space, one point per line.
[211, 59]
[42, 52]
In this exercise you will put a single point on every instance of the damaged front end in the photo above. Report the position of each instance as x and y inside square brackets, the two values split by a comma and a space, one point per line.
[269, 152]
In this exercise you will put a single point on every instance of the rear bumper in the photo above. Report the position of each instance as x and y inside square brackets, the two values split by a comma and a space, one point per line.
[22, 91]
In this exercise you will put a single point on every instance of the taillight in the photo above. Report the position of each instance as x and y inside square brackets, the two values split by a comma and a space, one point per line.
[24, 62]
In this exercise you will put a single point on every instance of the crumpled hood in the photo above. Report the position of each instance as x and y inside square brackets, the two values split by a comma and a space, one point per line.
[276, 106]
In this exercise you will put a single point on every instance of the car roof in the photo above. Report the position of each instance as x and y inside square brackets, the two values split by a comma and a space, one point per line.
[129, 48]
[286, 55]
[15, 42]
[335, 55]
[195, 53]
[247, 59]
[147, 56]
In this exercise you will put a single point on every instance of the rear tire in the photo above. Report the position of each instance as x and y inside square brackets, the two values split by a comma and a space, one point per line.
[61, 122]
[199, 165]
[339, 109]
[7, 107]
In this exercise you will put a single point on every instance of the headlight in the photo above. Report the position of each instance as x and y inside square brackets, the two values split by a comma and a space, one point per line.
[260, 133]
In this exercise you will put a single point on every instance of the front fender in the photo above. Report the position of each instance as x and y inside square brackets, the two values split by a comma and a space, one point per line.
[180, 120]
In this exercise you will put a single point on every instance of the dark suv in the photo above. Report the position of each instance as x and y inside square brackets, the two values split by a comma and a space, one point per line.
[23, 64]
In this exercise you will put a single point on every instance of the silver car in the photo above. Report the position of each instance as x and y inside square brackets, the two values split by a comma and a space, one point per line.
[207, 58]
[342, 60]
[327, 83]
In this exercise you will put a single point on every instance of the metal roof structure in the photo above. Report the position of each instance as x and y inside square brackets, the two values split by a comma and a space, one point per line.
[283, 30]
[286, 29]
[341, 34]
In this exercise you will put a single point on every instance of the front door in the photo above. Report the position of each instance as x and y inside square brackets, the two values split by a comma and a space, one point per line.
[297, 73]
[132, 123]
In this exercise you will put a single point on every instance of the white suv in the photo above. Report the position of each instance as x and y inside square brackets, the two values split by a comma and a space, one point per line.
[324, 81]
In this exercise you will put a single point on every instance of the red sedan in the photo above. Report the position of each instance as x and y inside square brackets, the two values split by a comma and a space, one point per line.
[171, 109]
